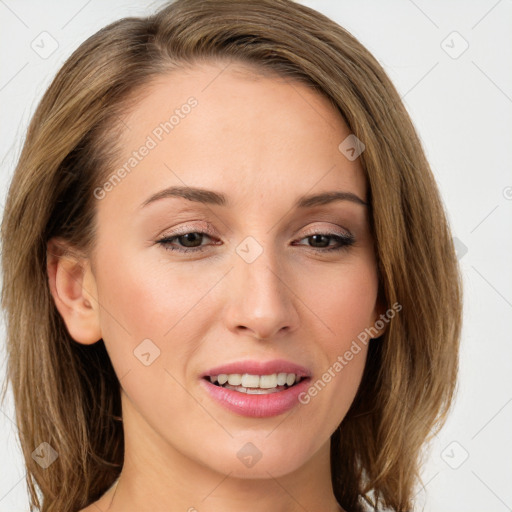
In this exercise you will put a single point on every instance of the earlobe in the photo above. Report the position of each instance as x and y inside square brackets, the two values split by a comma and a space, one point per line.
[380, 320]
[73, 287]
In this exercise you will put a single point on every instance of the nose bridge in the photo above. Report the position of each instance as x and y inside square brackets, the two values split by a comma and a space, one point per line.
[262, 301]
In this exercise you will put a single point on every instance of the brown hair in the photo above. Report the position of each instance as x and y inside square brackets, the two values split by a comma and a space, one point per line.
[68, 395]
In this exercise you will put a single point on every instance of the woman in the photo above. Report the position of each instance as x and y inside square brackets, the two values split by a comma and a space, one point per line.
[228, 275]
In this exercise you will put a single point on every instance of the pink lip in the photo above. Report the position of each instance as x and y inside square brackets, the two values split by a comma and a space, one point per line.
[259, 368]
[257, 406]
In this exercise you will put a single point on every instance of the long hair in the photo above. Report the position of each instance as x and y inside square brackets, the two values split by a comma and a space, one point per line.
[68, 395]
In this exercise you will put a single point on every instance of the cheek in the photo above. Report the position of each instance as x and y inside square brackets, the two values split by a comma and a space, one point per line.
[344, 305]
[144, 324]
[144, 296]
[150, 299]
[343, 301]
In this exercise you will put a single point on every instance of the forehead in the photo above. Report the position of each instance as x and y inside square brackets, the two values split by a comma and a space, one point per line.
[220, 125]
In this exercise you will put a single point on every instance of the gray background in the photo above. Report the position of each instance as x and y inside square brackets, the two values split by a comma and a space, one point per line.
[460, 102]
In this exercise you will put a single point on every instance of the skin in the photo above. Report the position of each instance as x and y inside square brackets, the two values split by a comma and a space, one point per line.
[263, 142]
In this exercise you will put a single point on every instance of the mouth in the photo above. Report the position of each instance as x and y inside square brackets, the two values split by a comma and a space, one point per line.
[253, 384]
[255, 388]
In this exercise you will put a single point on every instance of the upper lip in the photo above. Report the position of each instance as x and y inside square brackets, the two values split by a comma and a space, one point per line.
[254, 367]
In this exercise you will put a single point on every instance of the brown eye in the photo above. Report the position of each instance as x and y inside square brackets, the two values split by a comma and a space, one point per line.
[321, 241]
[190, 239]
[188, 242]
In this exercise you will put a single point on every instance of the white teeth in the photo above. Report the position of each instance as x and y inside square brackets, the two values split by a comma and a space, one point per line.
[250, 381]
[253, 382]
[281, 379]
[234, 379]
[290, 379]
[252, 391]
[258, 391]
[268, 381]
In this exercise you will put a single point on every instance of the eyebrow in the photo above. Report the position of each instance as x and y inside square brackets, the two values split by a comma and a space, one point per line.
[204, 196]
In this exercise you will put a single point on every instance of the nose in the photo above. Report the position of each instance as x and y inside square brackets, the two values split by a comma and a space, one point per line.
[261, 301]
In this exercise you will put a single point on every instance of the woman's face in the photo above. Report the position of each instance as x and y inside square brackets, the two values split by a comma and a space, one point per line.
[266, 283]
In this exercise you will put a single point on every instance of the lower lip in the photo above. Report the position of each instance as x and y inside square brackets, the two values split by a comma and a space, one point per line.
[257, 406]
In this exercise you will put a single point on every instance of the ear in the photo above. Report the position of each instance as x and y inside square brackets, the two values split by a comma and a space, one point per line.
[73, 287]
[380, 319]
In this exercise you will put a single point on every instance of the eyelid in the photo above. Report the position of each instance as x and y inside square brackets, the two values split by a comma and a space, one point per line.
[186, 228]
[205, 228]
[330, 231]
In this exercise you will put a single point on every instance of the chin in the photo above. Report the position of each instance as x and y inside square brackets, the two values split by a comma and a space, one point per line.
[262, 455]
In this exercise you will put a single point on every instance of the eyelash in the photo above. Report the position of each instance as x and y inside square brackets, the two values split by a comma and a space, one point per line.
[344, 240]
